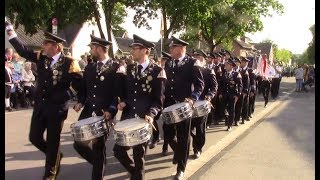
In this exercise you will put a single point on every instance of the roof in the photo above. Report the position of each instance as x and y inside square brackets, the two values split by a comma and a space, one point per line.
[243, 44]
[69, 33]
[34, 40]
[264, 47]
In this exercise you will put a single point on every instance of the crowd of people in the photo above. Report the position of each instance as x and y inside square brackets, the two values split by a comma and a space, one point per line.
[21, 78]
[138, 86]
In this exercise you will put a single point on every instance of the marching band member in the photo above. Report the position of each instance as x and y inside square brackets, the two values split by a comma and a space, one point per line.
[143, 97]
[58, 81]
[209, 92]
[185, 81]
[230, 91]
[155, 132]
[98, 96]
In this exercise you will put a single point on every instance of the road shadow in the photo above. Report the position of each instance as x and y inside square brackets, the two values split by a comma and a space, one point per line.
[297, 122]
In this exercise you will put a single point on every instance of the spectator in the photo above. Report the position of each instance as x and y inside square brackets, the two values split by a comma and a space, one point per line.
[17, 66]
[299, 78]
[27, 79]
[8, 55]
[8, 85]
[83, 62]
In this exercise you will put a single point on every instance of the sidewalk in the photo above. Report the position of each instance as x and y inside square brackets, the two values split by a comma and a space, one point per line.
[23, 160]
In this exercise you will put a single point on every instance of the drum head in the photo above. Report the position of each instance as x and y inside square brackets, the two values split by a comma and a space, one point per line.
[199, 103]
[89, 120]
[128, 125]
[175, 106]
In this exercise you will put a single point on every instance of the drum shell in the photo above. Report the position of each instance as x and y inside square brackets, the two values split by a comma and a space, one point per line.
[90, 130]
[177, 113]
[133, 137]
[201, 108]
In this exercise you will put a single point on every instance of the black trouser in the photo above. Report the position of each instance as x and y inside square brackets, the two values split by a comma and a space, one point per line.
[238, 109]
[219, 112]
[252, 100]
[230, 106]
[31, 90]
[265, 90]
[259, 84]
[94, 153]
[155, 132]
[211, 114]
[245, 107]
[136, 168]
[181, 146]
[275, 85]
[48, 117]
[18, 98]
[7, 91]
[168, 132]
[198, 139]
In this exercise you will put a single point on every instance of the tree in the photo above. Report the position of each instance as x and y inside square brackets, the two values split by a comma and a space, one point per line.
[283, 56]
[227, 20]
[37, 14]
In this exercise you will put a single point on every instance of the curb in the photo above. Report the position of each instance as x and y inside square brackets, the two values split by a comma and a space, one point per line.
[194, 165]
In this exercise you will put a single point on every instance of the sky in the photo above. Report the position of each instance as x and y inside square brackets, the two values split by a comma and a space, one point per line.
[289, 31]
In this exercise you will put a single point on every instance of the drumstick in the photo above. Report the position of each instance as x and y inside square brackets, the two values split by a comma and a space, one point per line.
[153, 127]
[119, 112]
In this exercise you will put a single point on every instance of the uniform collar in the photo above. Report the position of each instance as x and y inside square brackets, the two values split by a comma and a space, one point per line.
[55, 58]
[145, 64]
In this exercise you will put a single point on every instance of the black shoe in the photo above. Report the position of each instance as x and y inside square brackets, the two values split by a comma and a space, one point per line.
[236, 123]
[243, 122]
[179, 175]
[174, 161]
[9, 109]
[153, 144]
[249, 117]
[229, 128]
[164, 152]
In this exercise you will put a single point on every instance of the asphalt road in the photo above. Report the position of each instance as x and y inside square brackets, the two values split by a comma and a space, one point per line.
[282, 146]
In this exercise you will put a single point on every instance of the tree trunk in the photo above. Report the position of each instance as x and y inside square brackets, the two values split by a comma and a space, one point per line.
[108, 12]
[97, 17]
[165, 40]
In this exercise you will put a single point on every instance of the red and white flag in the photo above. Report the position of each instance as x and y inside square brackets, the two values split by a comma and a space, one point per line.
[262, 67]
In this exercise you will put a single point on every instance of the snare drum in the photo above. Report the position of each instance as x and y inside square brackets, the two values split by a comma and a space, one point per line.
[201, 108]
[89, 128]
[177, 113]
[131, 132]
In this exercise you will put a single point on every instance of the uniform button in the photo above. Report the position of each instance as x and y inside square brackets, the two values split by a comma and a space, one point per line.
[45, 81]
[94, 95]
[173, 72]
[172, 80]
[172, 96]
[134, 107]
[135, 92]
[135, 100]
[94, 105]
[94, 86]
[136, 83]
[43, 99]
[44, 90]
[171, 87]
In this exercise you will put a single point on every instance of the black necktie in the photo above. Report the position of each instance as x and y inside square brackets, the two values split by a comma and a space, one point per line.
[100, 64]
[176, 62]
[139, 69]
[49, 62]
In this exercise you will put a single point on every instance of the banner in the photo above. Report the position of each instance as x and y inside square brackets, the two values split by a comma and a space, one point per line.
[262, 65]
